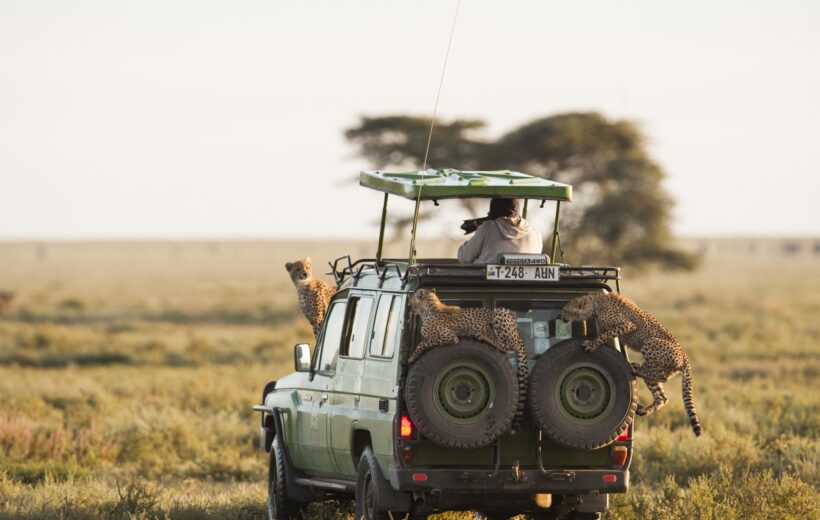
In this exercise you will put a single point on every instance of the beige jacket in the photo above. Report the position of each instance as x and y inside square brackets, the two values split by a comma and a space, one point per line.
[502, 235]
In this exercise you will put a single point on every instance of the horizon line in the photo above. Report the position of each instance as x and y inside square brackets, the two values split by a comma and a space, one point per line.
[336, 238]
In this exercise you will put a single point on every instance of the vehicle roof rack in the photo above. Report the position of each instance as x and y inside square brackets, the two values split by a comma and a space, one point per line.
[360, 267]
[583, 272]
[451, 269]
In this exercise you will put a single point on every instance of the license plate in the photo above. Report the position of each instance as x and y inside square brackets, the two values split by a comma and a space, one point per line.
[529, 273]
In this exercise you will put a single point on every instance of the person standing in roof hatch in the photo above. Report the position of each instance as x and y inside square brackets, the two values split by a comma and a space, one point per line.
[502, 231]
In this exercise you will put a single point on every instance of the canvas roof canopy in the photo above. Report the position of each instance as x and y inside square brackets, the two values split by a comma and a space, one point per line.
[434, 184]
[451, 184]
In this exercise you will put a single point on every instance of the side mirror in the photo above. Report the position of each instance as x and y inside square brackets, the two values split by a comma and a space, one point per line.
[301, 357]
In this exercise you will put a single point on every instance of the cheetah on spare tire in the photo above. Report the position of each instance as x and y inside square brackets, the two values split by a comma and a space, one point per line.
[444, 324]
[617, 316]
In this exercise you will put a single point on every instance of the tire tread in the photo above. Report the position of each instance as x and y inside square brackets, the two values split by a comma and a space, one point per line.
[555, 434]
[423, 367]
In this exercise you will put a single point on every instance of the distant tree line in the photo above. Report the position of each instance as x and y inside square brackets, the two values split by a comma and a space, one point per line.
[620, 212]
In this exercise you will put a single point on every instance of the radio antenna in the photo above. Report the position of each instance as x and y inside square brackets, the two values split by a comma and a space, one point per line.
[440, 84]
[430, 135]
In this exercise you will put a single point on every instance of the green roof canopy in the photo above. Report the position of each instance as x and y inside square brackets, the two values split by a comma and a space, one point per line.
[451, 184]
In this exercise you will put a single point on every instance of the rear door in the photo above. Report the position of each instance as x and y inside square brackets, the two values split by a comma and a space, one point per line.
[347, 381]
[381, 369]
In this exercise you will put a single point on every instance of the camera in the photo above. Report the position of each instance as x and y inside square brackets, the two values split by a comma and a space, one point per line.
[470, 225]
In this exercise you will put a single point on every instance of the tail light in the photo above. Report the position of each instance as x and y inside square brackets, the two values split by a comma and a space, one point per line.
[619, 455]
[405, 427]
[625, 436]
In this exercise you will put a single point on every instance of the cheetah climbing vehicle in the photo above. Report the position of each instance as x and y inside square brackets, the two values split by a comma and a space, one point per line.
[356, 420]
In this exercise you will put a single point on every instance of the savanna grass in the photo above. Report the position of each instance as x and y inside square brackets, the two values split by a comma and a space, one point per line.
[128, 371]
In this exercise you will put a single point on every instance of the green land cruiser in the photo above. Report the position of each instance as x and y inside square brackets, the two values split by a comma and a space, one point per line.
[342, 426]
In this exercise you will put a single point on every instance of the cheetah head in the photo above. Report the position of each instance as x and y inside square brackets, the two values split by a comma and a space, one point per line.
[423, 300]
[579, 308]
[300, 271]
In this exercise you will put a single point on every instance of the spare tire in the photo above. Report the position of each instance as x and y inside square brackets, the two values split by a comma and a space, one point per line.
[582, 399]
[463, 395]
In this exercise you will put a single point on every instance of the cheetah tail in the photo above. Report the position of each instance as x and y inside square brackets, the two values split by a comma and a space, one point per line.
[421, 348]
[688, 398]
[523, 375]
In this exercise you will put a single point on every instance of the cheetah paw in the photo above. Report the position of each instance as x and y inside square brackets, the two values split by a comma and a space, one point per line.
[588, 345]
[640, 411]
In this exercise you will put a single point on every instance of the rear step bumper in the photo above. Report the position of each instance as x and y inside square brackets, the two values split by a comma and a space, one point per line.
[525, 481]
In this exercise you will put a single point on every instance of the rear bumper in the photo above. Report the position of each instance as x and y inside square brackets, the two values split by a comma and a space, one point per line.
[506, 481]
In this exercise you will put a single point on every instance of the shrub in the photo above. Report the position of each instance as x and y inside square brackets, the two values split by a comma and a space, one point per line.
[723, 495]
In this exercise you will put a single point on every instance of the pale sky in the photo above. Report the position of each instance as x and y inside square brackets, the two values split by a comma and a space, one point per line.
[171, 119]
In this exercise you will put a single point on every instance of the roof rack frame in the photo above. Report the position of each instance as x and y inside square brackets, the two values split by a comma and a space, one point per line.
[383, 268]
[338, 275]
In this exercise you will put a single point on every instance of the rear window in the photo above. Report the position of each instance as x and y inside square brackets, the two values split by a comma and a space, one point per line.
[541, 325]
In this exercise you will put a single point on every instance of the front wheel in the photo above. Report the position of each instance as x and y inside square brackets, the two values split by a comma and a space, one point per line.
[280, 505]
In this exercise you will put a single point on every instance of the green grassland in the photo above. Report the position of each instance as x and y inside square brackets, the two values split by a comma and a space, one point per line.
[128, 371]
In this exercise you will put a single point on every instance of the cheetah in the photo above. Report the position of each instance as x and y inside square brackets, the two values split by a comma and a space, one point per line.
[443, 325]
[314, 294]
[663, 355]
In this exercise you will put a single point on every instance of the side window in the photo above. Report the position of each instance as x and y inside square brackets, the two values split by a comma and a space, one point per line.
[332, 337]
[357, 333]
[385, 331]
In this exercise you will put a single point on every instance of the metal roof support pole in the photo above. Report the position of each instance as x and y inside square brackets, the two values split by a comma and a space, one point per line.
[526, 207]
[555, 231]
[381, 230]
[413, 231]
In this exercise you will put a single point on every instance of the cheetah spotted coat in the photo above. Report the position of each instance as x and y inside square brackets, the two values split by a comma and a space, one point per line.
[314, 294]
[616, 316]
[443, 325]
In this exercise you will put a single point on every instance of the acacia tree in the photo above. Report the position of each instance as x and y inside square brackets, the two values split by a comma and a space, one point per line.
[620, 211]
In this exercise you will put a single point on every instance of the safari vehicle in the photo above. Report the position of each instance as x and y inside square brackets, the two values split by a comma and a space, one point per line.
[355, 420]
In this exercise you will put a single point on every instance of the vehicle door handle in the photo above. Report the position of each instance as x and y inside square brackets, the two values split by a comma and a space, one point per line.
[324, 397]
